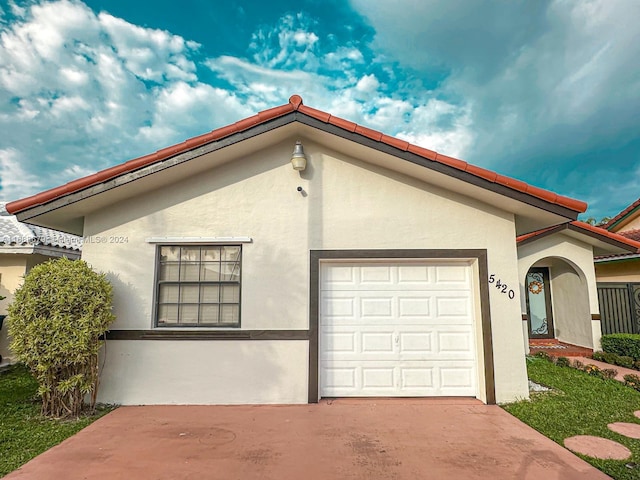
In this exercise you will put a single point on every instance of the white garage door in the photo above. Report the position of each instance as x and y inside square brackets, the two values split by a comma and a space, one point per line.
[397, 329]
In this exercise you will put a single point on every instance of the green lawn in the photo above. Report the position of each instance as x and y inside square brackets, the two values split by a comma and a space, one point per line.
[581, 404]
[23, 433]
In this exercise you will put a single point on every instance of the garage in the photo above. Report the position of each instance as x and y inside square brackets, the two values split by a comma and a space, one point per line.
[397, 328]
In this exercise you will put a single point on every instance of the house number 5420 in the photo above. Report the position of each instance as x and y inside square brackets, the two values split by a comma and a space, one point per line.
[502, 286]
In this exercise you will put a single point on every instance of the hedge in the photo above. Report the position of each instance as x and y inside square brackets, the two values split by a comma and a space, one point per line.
[624, 344]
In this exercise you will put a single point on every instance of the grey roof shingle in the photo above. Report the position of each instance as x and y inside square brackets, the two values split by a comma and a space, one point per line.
[15, 233]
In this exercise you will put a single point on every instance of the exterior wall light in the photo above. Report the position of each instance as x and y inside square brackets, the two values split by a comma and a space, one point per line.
[298, 158]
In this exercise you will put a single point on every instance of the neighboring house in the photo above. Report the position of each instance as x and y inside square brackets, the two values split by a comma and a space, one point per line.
[21, 247]
[380, 269]
[559, 294]
[619, 277]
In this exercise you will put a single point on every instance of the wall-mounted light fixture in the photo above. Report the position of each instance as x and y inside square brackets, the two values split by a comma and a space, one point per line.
[298, 158]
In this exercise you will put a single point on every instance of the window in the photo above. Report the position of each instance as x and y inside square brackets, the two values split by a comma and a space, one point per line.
[198, 286]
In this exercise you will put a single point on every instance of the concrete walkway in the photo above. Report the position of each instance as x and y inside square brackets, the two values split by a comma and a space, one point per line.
[344, 439]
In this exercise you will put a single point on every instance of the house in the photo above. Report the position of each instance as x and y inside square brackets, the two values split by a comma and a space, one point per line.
[559, 295]
[23, 246]
[626, 267]
[618, 276]
[295, 255]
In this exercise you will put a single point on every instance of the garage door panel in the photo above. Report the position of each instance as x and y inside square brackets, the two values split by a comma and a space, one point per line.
[452, 274]
[377, 342]
[377, 307]
[454, 344]
[409, 379]
[343, 307]
[458, 378]
[382, 378]
[453, 306]
[397, 330]
[339, 342]
[376, 276]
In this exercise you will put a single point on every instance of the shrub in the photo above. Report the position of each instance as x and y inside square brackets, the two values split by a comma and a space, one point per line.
[632, 381]
[625, 344]
[615, 359]
[578, 365]
[609, 373]
[56, 320]
[624, 361]
[612, 358]
[563, 362]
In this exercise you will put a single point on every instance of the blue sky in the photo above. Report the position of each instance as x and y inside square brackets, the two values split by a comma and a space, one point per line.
[546, 91]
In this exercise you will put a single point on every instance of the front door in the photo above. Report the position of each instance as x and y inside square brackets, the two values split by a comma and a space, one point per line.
[539, 303]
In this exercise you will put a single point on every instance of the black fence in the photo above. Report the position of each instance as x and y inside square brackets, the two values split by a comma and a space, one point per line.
[619, 307]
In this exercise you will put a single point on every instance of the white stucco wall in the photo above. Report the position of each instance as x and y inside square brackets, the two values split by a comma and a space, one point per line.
[346, 204]
[573, 286]
[12, 271]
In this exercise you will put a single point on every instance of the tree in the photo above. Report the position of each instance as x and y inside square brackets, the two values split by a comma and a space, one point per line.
[56, 320]
[597, 223]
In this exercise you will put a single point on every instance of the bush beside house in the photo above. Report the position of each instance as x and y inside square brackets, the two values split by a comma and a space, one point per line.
[56, 321]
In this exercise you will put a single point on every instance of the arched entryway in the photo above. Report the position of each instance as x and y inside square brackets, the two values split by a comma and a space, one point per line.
[556, 296]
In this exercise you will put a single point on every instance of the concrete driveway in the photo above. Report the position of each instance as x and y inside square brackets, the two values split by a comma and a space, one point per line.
[341, 439]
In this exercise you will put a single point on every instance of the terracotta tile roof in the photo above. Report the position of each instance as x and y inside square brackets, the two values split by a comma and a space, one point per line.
[295, 105]
[622, 214]
[577, 225]
[631, 234]
[537, 233]
[616, 257]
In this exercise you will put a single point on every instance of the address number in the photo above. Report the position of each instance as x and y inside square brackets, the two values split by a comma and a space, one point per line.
[503, 287]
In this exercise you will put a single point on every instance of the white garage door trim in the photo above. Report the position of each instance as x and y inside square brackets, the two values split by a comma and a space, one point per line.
[406, 377]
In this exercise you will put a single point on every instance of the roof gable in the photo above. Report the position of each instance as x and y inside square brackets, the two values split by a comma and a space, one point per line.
[294, 106]
[624, 217]
[617, 243]
[64, 207]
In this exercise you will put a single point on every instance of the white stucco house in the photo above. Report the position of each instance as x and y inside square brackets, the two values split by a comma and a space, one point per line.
[23, 246]
[379, 269]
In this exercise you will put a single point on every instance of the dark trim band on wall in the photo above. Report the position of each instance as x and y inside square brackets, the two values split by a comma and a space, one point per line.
[525, 317]
[207, 335]
[596, 316]
[316, 256]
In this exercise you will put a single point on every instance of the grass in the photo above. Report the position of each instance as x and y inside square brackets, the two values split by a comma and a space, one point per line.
[581, 404]
[24, 434]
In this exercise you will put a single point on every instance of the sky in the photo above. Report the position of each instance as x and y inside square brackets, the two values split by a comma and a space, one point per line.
[546, 91]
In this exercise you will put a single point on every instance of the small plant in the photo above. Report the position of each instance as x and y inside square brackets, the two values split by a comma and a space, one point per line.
[609, 373]
[632, 381]
[544, 355]
[593, 370]
[563, 362]
[56, 320]
[578, 365]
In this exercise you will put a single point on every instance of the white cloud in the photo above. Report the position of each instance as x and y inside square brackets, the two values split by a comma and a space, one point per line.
[15, 181]
[80, 91]
[73, 86]
[543, 84]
